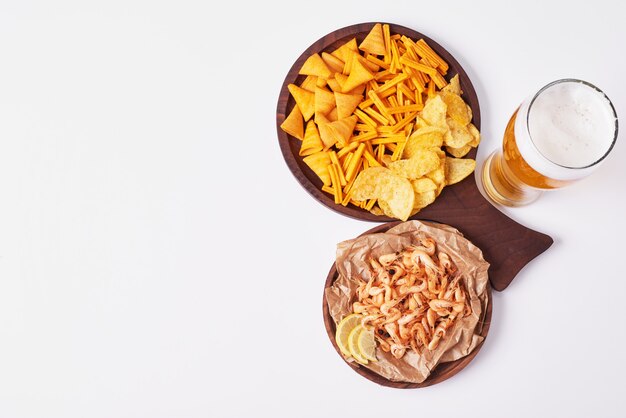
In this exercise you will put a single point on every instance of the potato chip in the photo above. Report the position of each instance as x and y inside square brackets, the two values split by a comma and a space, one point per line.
[458, 168]
[438, 175]
[385, 208]
[456, 108]
[459, 135]
[434, 112]
[459, 152]
[382, 184]
[346, 103]
[422, 162]
[315, 65]
[312, 142]
[453, 86]
[374, 42]
[423, 184]
[359, 74]
[304, 99]
[319, 162]
[475, 134]
[293, 124]
[424, 199]
[426, 137]
[376, 210]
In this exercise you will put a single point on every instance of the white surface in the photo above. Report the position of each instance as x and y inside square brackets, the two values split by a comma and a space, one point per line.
[158, 259]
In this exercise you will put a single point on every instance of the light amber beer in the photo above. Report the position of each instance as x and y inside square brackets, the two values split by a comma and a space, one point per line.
[558, 136]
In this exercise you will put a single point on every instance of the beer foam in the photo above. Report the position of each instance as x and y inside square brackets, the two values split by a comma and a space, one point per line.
[570, 124]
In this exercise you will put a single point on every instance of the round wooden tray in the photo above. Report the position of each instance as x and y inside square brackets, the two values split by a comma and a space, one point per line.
[441, 372]
[290, 146]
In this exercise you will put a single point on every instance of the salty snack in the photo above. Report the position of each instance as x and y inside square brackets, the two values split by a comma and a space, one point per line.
[411, 299]
[408, 299]
[382, 103]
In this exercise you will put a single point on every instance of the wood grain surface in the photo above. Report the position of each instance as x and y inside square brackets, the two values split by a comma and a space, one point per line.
[506, 245]
[442, 372]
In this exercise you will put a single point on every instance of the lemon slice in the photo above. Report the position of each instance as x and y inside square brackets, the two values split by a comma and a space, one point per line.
[345, 326]
[366, 343]
[353, 339]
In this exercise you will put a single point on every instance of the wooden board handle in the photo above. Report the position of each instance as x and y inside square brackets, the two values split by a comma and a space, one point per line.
[506, 245]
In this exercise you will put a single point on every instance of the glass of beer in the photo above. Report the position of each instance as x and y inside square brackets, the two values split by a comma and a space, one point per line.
[557, 136]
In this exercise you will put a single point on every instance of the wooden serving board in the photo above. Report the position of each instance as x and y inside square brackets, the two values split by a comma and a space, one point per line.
[506, 245]
[442, 372]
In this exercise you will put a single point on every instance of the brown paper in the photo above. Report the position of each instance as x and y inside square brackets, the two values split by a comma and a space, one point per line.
[352, 266]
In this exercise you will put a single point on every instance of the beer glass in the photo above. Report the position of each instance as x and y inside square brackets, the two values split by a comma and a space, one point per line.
[557, 136]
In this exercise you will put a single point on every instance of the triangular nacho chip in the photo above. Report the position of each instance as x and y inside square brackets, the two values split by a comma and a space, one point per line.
[326, 133]
[334, 84]
[342, 129]
[293, 124]
[332, 62]
[359, 74]
[315, 65]
[312, 142]
[332, 115]
[319, 162]
[304, 99]
[344, 50]
[309, 83]
[324, 101]
[374, 42]
[346, 103]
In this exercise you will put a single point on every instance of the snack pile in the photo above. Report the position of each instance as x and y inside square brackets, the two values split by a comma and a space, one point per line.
[411, 299]
[407, 299]
[380, 125]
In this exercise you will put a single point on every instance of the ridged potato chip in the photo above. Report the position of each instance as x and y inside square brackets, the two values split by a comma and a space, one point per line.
[382, 184]
[456, 107]
[434, 112]
[422, 162]
[426, 137]
[458, 168]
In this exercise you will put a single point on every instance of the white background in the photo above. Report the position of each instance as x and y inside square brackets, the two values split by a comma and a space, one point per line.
[158, 259]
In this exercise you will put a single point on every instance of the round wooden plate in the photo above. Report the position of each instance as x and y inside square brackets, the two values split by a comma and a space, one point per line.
[506, 245]
[441, 372]
[290, 146]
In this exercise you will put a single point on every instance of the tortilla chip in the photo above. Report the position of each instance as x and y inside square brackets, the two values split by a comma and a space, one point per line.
[347, 103]
[332, 62]
[293, 124]
[374, 42]
[344, 51]
[319, 162]
[312, 142]
[324, 101]
[315, 65]
[304, 99]
[359, 74]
